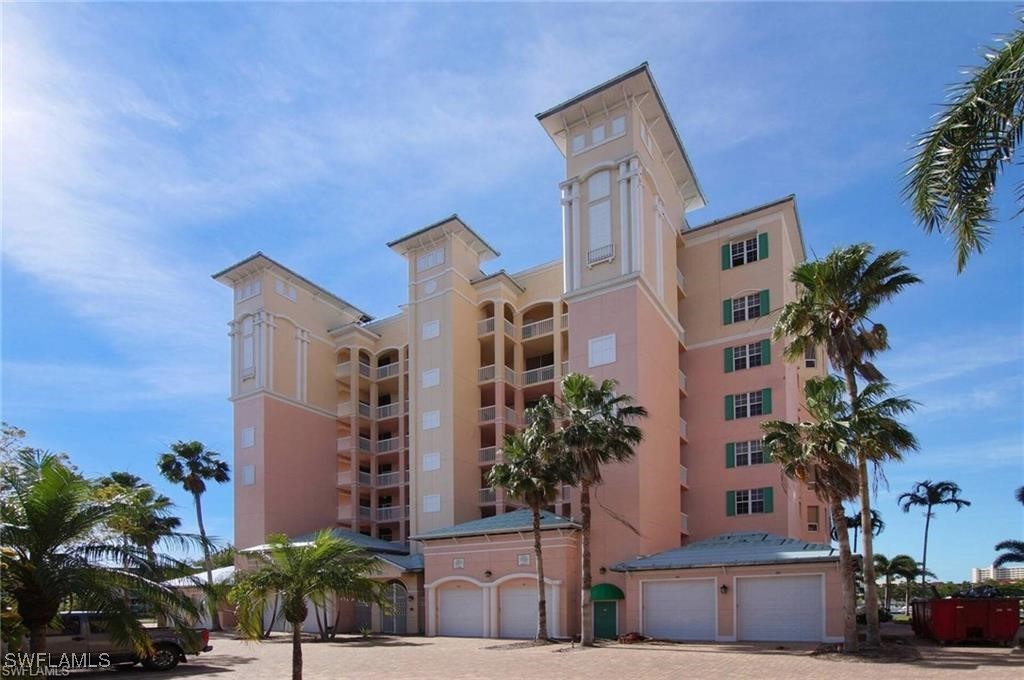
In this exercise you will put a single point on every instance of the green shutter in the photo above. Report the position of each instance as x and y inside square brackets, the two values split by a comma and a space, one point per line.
[766, 352]
[726, 257]
[730, 455]
[766, 308]
[730, 411]
[730, 503]
[728, 359]
[727, 311]
[768, 500]
[766, 401]
[762, 246]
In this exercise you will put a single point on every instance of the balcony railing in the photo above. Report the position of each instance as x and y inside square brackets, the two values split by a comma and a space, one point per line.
[602, 254]
[539, 375]
[345, 478]
[542, 327]
[386, 445]
[364, 369]
[484, 327]
[565, 320]
[365, 512]
[388, 370]
[510, 376]
[488, 413]
[487, 495]
[344, 513]
[365, 478]
[510, 415]
[680, 281]
[565, 368]
[386, 479]
[682, 380]
[510, 329]
[389, 513]
[342, 370]
[682, 429]
[488, 454]
[387, 411]
[684, 476]
[485, 374]
[684, 523]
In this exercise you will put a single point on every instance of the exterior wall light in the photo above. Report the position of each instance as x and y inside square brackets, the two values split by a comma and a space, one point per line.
[487, 573]
[724, 589]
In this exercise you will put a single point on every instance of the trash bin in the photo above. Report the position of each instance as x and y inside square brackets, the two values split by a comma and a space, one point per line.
[962, 619]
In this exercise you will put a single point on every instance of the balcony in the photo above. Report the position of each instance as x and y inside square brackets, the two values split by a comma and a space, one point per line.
[488, 454]
[488, 414]
[386, 479]
[684, 523]
[345, 478]
[510, 329]
[485, 373]
[565, 368]
[387, 411]
[684, 476]
[602, 254]
[539, 375]
[365, 512]
[364, 369]
[487, 495]
[682, 429]
[484, 327]
[565, 320]
[387, 445]
[365, 478]
[510, 415]
[388, 370]
[389, 513]
[682, 382]
[510, 376]
[345, 513]
[537, 328]
[681, 281]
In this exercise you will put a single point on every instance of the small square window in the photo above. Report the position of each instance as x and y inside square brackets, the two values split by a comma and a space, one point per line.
[431, 377]
[430, 260]
[431, 329]
[432, 503]
[618, 125]
[597, 134]
[579, 142]
[248, 475]
[810, 358]
[248, 437]
[743, 252]
[746, 307]
[458, 563]
[523, 560]
[601, 351]
[431, 461]
[431, 420]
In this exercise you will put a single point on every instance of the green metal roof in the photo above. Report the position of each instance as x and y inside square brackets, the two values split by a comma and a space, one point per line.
[606, 591]
[734, 549]
[505, 523]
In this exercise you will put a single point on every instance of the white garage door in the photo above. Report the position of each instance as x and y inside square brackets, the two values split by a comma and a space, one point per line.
[679, 610]
[783, 608]
[518, 617]
[462, 612]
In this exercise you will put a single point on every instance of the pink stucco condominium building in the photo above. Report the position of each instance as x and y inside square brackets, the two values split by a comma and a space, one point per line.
[386, 428]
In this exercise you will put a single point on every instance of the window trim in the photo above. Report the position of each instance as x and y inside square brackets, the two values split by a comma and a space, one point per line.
[434, 332]
[746, 450]
[593, 362]
[745, 251]
[750, 401]
[742, 306]
[748, 502]
[425, 261]
[432, 498]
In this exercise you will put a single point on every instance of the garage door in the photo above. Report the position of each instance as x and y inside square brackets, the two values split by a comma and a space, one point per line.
[462, 612]
[783, 608]
[679, 610]
[518, 612]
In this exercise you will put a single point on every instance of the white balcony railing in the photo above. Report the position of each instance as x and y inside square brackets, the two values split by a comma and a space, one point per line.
[387, 370]
[389, 513]
[344, 513]
[342, 370]
[682, 429]
[345, 478]
[684, 476]
[364, 369]
[365, 512]
[344, 444]
[485, 373]
[680, 281]
[405, 406]
[365, 444]
[486, 495]
[565, 320]
[487, 414]
[682, 380]
[542, 327]
[510, 376]
[488, 454]
[386, 445]
[365, 478]
[510, 329]
[684, 523]
[510, 415]
[565, 368]
[602, 254]
[539, 375]
[387, 411]
[484, 327]
[386, 479]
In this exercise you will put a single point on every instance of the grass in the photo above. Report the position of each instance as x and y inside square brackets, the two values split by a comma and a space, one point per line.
[901, 618]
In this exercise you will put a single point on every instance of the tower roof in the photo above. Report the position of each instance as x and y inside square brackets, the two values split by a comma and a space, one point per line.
[438, 231]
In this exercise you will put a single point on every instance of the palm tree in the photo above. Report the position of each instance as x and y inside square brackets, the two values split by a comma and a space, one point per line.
[854, 522]
[836, 297]
[816, 453]
[928, 494]
[191, 465]
[527, 474]
[145, 518]
[596, 429]
[52, 527]
[301, 573]
[958, 160]
[897, 566]
[1014, 549]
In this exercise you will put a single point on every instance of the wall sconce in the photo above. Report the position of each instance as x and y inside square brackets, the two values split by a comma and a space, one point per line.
[487, 573]
[412, 598]
[603, 570]
[724, 589]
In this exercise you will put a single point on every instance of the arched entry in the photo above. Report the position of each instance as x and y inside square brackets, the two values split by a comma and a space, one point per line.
[605, 597]
[394, 620]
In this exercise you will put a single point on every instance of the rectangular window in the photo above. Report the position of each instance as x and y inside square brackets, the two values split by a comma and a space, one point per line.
[248, 475]
[431, 420]
[601, 351]
[618, 125]
[458, 563]
[746, 307]
[430, 260]
[432, 503]
[247, 289]
[432, 377]
[431, 461]
[749, 453]
[523, 560]
[743, 252]
[579, 142]
[431, 329]
[748, 404]
[813, 517]
[810, 358]
[750, 501]
[285, 290]
[248, 437]
[599, 218]
[248, 348]
[597, 134]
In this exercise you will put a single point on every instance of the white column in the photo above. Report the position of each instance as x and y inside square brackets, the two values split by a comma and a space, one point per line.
[659, 268]
[568, 259]
[636, 214]
[578, 248]
[430, 616]
[235, 340]
[301, 364]
[491, 611]
[624, 232]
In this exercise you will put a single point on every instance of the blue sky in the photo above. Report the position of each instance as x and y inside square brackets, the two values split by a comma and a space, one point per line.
[146, 146]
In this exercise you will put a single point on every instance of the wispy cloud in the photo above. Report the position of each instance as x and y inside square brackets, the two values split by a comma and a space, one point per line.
[944, 357]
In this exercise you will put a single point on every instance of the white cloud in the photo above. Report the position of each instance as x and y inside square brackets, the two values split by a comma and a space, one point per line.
[944, 357]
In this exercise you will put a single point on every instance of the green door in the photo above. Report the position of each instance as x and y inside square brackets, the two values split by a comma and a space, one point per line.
[606, 624]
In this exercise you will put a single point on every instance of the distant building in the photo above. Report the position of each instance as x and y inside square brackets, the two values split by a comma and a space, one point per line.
[981, 574]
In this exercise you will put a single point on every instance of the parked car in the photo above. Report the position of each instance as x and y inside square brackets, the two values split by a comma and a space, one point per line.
[88, 633]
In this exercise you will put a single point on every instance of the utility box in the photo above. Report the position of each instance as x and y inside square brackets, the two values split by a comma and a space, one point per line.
[963, 619]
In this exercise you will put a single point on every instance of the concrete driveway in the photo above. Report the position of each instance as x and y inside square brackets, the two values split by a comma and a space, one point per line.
[451, 658]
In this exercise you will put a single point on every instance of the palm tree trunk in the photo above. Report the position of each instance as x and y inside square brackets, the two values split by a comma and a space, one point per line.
[850, 640]
[208, 562]
[856, 531]
[37, 638]
[542, 602]
[296, 650]
[586, 610]
[924, 553]
[273, 615]
[888, 583]
[874, 636]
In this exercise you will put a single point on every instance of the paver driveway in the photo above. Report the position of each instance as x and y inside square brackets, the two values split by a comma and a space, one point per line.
[450, 658]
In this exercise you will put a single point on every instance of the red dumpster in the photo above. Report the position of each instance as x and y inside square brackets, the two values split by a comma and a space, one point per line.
[961, 619]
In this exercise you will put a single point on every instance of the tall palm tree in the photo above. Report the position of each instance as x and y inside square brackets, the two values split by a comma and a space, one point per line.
[958, 160]
[52, 528]
[854, 522]
[530, 476]
[145, 518]
[191, 465]
[596, 429]
[816, 453]
[897, 566]
[929, 495]
[1014, 549]
[835, 300]
[301, 573]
